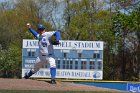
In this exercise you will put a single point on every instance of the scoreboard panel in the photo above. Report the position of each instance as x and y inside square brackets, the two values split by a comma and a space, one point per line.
[74, 59]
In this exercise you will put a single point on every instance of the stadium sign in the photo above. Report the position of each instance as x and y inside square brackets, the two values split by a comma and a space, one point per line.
[69, 74]
[66, 44]
[133, 87]
[84, 63]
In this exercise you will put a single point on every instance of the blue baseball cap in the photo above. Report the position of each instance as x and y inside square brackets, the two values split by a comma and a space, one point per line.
[40, 27]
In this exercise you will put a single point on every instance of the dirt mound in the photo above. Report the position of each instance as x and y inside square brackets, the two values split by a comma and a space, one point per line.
[22, 84]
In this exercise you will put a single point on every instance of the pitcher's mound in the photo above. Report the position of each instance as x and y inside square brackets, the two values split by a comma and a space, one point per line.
[23, 84]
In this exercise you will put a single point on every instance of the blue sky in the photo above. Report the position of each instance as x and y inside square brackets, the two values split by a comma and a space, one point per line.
[2, 0]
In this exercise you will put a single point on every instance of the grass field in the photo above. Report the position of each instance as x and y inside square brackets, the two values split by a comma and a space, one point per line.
[41, 91]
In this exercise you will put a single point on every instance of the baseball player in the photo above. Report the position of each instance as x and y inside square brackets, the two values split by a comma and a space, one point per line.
[46, 53]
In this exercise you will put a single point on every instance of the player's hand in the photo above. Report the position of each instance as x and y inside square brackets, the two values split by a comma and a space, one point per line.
[28, 25]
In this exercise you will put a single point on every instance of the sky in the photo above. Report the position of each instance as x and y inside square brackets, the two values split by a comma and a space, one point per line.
[2, 0]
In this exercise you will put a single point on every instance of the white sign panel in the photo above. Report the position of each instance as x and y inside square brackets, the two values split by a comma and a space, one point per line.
[67, 44]
[71, 74]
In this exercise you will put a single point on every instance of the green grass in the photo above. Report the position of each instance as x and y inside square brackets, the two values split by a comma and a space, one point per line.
[45, 91]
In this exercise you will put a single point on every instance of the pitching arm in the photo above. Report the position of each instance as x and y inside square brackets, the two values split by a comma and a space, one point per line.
[35, 34]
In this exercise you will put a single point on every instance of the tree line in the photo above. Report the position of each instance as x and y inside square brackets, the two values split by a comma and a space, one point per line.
[116, 22]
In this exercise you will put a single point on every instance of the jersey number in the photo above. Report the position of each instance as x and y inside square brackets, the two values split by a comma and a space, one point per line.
[43, 42]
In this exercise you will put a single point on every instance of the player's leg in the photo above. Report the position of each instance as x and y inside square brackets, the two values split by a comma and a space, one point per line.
[36, 68]
[52, 69]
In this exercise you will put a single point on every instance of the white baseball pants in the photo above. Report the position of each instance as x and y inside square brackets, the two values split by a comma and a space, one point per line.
[41, 60]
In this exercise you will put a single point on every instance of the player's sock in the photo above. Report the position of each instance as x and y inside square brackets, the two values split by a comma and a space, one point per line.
[53, 73]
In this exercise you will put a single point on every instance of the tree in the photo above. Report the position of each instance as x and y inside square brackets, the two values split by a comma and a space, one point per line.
[10, 62]
[135, 25]
[80, 20]
[13, 30]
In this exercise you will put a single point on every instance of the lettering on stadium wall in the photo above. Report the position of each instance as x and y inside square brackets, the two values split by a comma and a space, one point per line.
[31, 43]
[131, 87]
[61, 73]
[80, 44]
[73, 74]
[64, 44]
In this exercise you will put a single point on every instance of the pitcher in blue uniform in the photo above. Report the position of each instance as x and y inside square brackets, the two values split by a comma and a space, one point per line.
[46, 51]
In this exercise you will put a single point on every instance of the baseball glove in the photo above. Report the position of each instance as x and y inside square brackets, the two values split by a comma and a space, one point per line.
[53, 40]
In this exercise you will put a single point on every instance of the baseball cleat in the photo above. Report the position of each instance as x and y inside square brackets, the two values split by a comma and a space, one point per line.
[27, 75]
[53, 82]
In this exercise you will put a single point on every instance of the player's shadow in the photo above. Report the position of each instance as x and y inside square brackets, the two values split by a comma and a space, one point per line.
[50, 82]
